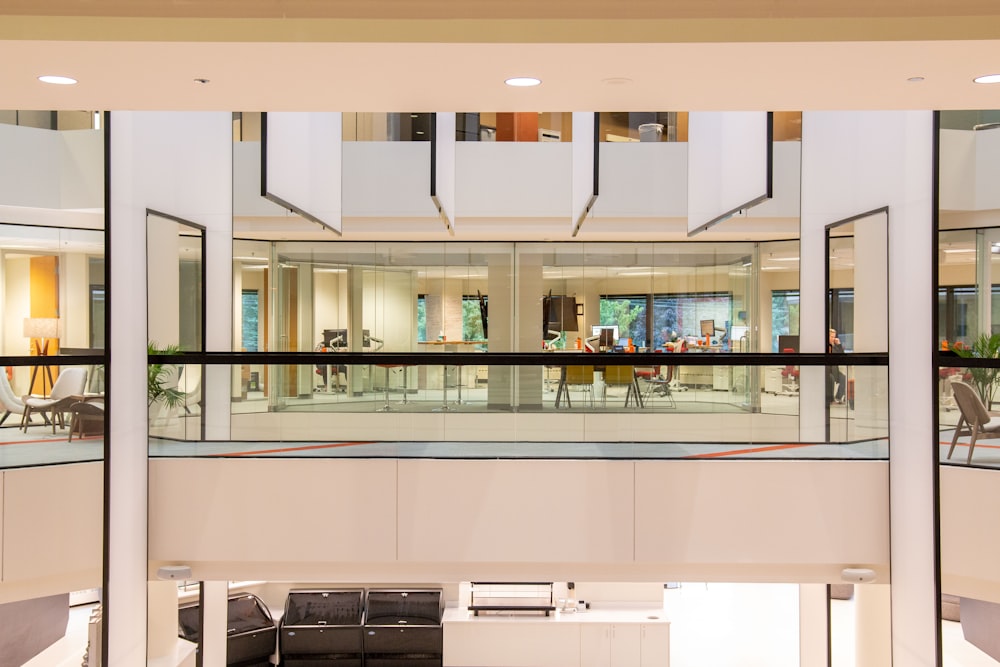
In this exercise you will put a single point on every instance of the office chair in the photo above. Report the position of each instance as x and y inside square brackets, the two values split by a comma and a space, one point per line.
[622, 376]
[66, 390]
[9, 400]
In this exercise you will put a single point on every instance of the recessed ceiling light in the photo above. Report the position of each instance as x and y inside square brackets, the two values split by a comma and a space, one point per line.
[58, 80]
[523, 81]
[988, 78]
[201, 80]
[915, 79]
[617, 80]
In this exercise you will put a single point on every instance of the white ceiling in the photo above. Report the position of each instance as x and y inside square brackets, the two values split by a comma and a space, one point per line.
[604, 56]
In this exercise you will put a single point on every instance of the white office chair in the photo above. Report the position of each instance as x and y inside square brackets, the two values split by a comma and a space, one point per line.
[68, 387]
[11, 403]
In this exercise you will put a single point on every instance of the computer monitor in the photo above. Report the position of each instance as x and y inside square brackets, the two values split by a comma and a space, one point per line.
[608, 334]
[708, 328]
[335, 337]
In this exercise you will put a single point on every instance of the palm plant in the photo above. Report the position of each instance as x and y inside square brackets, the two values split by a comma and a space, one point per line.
[159, 378]
[986, 346]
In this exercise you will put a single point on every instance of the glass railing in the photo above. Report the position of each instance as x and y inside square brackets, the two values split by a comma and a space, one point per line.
[545, 404]
[968, 417]
[51, 413]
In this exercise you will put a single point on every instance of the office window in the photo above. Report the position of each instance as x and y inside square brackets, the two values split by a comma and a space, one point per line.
[679, 315]
[784, 315]
[250, 319]
[958, 314]
[472, 322]
[842, 316]
[422, 318]
[628, 313]
[97, 316]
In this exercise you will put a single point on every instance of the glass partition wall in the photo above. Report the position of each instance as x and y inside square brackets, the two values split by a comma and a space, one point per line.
[412, 298]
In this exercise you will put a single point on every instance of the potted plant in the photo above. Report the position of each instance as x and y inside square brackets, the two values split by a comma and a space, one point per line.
[986, 346]
[161, 380]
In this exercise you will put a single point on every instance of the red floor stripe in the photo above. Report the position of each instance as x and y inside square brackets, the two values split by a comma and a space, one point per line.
[30, 442]
[753, 450]
[965, 444]
[297, 449]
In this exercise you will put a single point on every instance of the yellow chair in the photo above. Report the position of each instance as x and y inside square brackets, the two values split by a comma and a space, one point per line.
[577, 376]
[622, 376]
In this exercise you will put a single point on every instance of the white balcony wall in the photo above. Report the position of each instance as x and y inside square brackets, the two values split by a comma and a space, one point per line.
[387, 179]
[51, 169]
[449, 520]
[513, 179]
[642, 180]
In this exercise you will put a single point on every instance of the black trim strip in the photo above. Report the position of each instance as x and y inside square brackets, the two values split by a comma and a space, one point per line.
[523, 358]
[107, 612]
[936, 360]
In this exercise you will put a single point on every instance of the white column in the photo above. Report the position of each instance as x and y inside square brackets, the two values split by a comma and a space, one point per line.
[215, 607]
[854, 162]
[873, 626]
[814, 621]
[179, 164]
[161, 622]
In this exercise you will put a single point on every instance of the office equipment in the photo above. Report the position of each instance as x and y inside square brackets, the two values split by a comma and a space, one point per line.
[788, 343]
[335, 338]
[322, 627]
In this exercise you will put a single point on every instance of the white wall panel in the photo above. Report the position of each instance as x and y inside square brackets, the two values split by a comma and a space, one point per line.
[987, 167]
[786, 183]
[513, 179]
[387, 178]
[81, 173]
[762, 512]
[728, 165]
[444, 166]
[49, 534]
[584, 160]
[958, 170]
[323, 510]
[970, 548]
[303, 154]
[29, 167]
[643, 179]
[515, 511]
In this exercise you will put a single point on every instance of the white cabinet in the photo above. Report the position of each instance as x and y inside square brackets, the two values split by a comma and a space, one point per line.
[624, 645]
[654, 645]
[511, 644]
[595, 645]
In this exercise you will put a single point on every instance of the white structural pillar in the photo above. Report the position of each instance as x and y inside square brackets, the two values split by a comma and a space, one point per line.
[215, 610]
[162, 619]
[872, 626]
[814, 621]
[853, 163]
[179, 164]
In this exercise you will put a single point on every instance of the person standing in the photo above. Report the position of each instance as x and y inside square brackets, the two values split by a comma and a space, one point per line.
[836, 381]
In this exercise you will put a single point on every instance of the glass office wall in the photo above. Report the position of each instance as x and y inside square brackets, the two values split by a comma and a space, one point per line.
[52, 270]
[514, 126]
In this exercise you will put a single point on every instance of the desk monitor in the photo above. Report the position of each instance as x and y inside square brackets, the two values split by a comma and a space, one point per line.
[608, 334]
[335, 337]
[708, 327]
[788, 342]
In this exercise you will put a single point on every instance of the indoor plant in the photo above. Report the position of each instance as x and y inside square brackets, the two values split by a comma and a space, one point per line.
[986, 346]
[161, 378]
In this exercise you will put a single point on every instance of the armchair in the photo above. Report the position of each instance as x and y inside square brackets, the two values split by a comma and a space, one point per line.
[974, 419]
[68, 387]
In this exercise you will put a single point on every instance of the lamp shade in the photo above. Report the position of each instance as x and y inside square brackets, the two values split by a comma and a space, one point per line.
[41, 327]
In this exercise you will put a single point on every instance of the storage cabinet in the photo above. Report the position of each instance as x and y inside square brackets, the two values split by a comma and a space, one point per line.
[624, 645]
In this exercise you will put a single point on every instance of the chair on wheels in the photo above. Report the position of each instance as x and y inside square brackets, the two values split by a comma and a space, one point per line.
[68, 387]
[974, 419]
[789, 375]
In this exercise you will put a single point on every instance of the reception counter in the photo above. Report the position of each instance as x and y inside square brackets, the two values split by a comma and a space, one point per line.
[632, 637]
